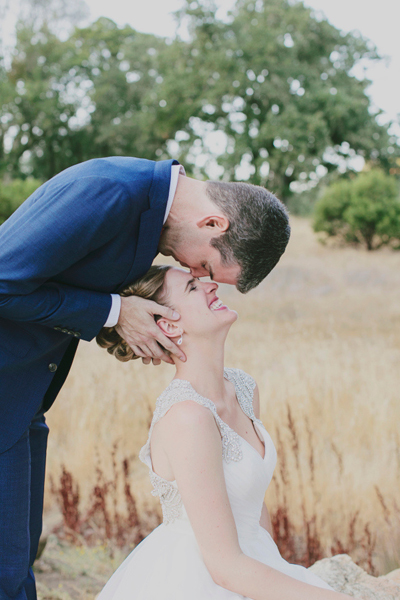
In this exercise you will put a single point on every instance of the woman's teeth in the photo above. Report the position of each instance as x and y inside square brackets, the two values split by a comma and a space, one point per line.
[216, 304]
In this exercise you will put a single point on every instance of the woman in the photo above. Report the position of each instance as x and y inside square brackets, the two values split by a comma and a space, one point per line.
[210, 460]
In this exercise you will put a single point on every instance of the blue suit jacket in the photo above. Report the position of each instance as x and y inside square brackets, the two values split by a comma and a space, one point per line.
[85, 233]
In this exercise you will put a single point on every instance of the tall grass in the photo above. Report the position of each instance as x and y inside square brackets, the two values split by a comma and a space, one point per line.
[322, 338]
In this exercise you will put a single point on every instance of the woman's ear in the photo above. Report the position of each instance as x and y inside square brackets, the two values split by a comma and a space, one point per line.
[169, 328]
[219, 223]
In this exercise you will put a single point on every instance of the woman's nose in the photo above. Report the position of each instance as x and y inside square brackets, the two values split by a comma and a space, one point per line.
[211, 286]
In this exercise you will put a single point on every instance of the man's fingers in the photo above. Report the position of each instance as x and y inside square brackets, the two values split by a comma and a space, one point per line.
[158, 353]
[147, 361]
[144, 335]
[152, 350]
[138, 351]
[148, 349]
[166, 312]
[167, 359]
[156, 350]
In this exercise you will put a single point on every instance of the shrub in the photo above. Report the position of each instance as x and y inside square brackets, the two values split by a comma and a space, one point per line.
[365, 210]
[14, 193]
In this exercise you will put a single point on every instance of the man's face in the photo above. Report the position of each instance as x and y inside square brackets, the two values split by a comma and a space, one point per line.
[194, 252]
[209, 265]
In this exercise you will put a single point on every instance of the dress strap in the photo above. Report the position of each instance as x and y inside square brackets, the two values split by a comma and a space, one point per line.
[244, 386]
[180, 390]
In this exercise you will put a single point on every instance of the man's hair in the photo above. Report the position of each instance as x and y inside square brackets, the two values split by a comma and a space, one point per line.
[258, 230]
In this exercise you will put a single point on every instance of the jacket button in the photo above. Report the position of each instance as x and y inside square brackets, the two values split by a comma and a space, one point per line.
[52, 367]
[77, 334]
[64, 330]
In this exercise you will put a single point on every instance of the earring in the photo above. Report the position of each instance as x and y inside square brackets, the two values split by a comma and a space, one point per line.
[179, 342]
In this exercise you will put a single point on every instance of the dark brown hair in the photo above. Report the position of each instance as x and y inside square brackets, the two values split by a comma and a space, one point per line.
[258, 230]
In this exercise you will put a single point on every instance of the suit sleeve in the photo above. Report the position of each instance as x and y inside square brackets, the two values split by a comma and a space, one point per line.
[56, 229]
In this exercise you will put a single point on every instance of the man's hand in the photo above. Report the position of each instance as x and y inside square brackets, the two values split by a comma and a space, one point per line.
[137, 327]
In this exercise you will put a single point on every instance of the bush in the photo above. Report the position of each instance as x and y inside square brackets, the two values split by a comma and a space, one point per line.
[365, 210]
[13, 194]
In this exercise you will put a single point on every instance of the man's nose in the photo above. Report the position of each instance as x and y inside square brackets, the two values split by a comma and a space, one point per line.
[196, 272]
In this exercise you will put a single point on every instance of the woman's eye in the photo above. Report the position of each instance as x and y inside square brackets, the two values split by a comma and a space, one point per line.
[194, 287]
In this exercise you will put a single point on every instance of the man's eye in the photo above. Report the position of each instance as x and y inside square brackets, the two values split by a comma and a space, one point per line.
[194, 287]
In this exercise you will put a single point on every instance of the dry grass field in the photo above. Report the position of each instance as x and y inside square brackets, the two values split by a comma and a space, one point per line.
[322, 338]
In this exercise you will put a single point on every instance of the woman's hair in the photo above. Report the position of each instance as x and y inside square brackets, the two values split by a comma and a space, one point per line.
[150, 287]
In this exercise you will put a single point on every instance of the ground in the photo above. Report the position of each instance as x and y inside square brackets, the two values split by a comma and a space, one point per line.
[68, 572]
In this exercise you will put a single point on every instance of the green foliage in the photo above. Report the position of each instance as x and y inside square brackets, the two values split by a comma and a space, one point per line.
[277, 82]
[365, 210]
[272, 81]
[13, 194]
[79, 99]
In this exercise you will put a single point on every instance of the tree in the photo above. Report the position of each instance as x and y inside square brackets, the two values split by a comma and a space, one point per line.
[277, 81]
[272, 85]
[365, 210]
[39, 115]
[98, 93]
[125, 73]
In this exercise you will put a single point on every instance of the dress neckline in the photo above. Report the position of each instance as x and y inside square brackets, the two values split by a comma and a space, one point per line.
[226, 424]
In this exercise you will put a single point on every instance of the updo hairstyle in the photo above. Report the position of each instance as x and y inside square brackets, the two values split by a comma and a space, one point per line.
[150, 287]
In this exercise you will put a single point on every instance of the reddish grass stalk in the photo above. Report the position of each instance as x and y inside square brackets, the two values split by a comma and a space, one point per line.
[307, 548]
[102, 521]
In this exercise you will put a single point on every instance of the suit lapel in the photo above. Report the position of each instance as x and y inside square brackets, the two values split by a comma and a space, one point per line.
[151, 222]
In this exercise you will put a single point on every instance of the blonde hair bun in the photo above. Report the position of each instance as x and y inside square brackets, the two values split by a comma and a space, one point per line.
[149, 287]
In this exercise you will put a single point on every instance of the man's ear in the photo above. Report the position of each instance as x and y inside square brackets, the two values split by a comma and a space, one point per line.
[169, 328]
[219, 223]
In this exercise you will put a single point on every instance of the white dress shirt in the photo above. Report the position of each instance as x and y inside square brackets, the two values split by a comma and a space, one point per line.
[113, 315]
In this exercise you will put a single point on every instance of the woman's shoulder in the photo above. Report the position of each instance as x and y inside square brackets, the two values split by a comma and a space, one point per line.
[183, 404]
[177, 416]
[183, 424]
[187, 413]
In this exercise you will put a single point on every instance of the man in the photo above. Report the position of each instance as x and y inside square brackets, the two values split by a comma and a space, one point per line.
[64, 255]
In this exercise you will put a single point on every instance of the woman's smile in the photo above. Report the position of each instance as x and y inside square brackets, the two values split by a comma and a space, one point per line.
[216, 304]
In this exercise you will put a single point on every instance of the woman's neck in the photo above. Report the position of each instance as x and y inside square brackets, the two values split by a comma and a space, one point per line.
[204, 368]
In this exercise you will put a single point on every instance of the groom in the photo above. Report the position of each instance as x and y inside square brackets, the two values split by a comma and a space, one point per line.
[64, 256]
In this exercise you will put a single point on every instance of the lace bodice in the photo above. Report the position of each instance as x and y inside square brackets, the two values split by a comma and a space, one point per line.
[180, 390]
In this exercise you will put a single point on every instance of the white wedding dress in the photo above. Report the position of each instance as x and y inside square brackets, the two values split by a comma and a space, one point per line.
[167, 564]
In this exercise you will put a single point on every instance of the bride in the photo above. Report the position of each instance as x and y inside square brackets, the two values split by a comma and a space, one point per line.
[210, 460]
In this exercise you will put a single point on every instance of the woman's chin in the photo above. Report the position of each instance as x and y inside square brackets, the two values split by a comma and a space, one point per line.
[226, 318]
[234, 314]
[229, 315]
